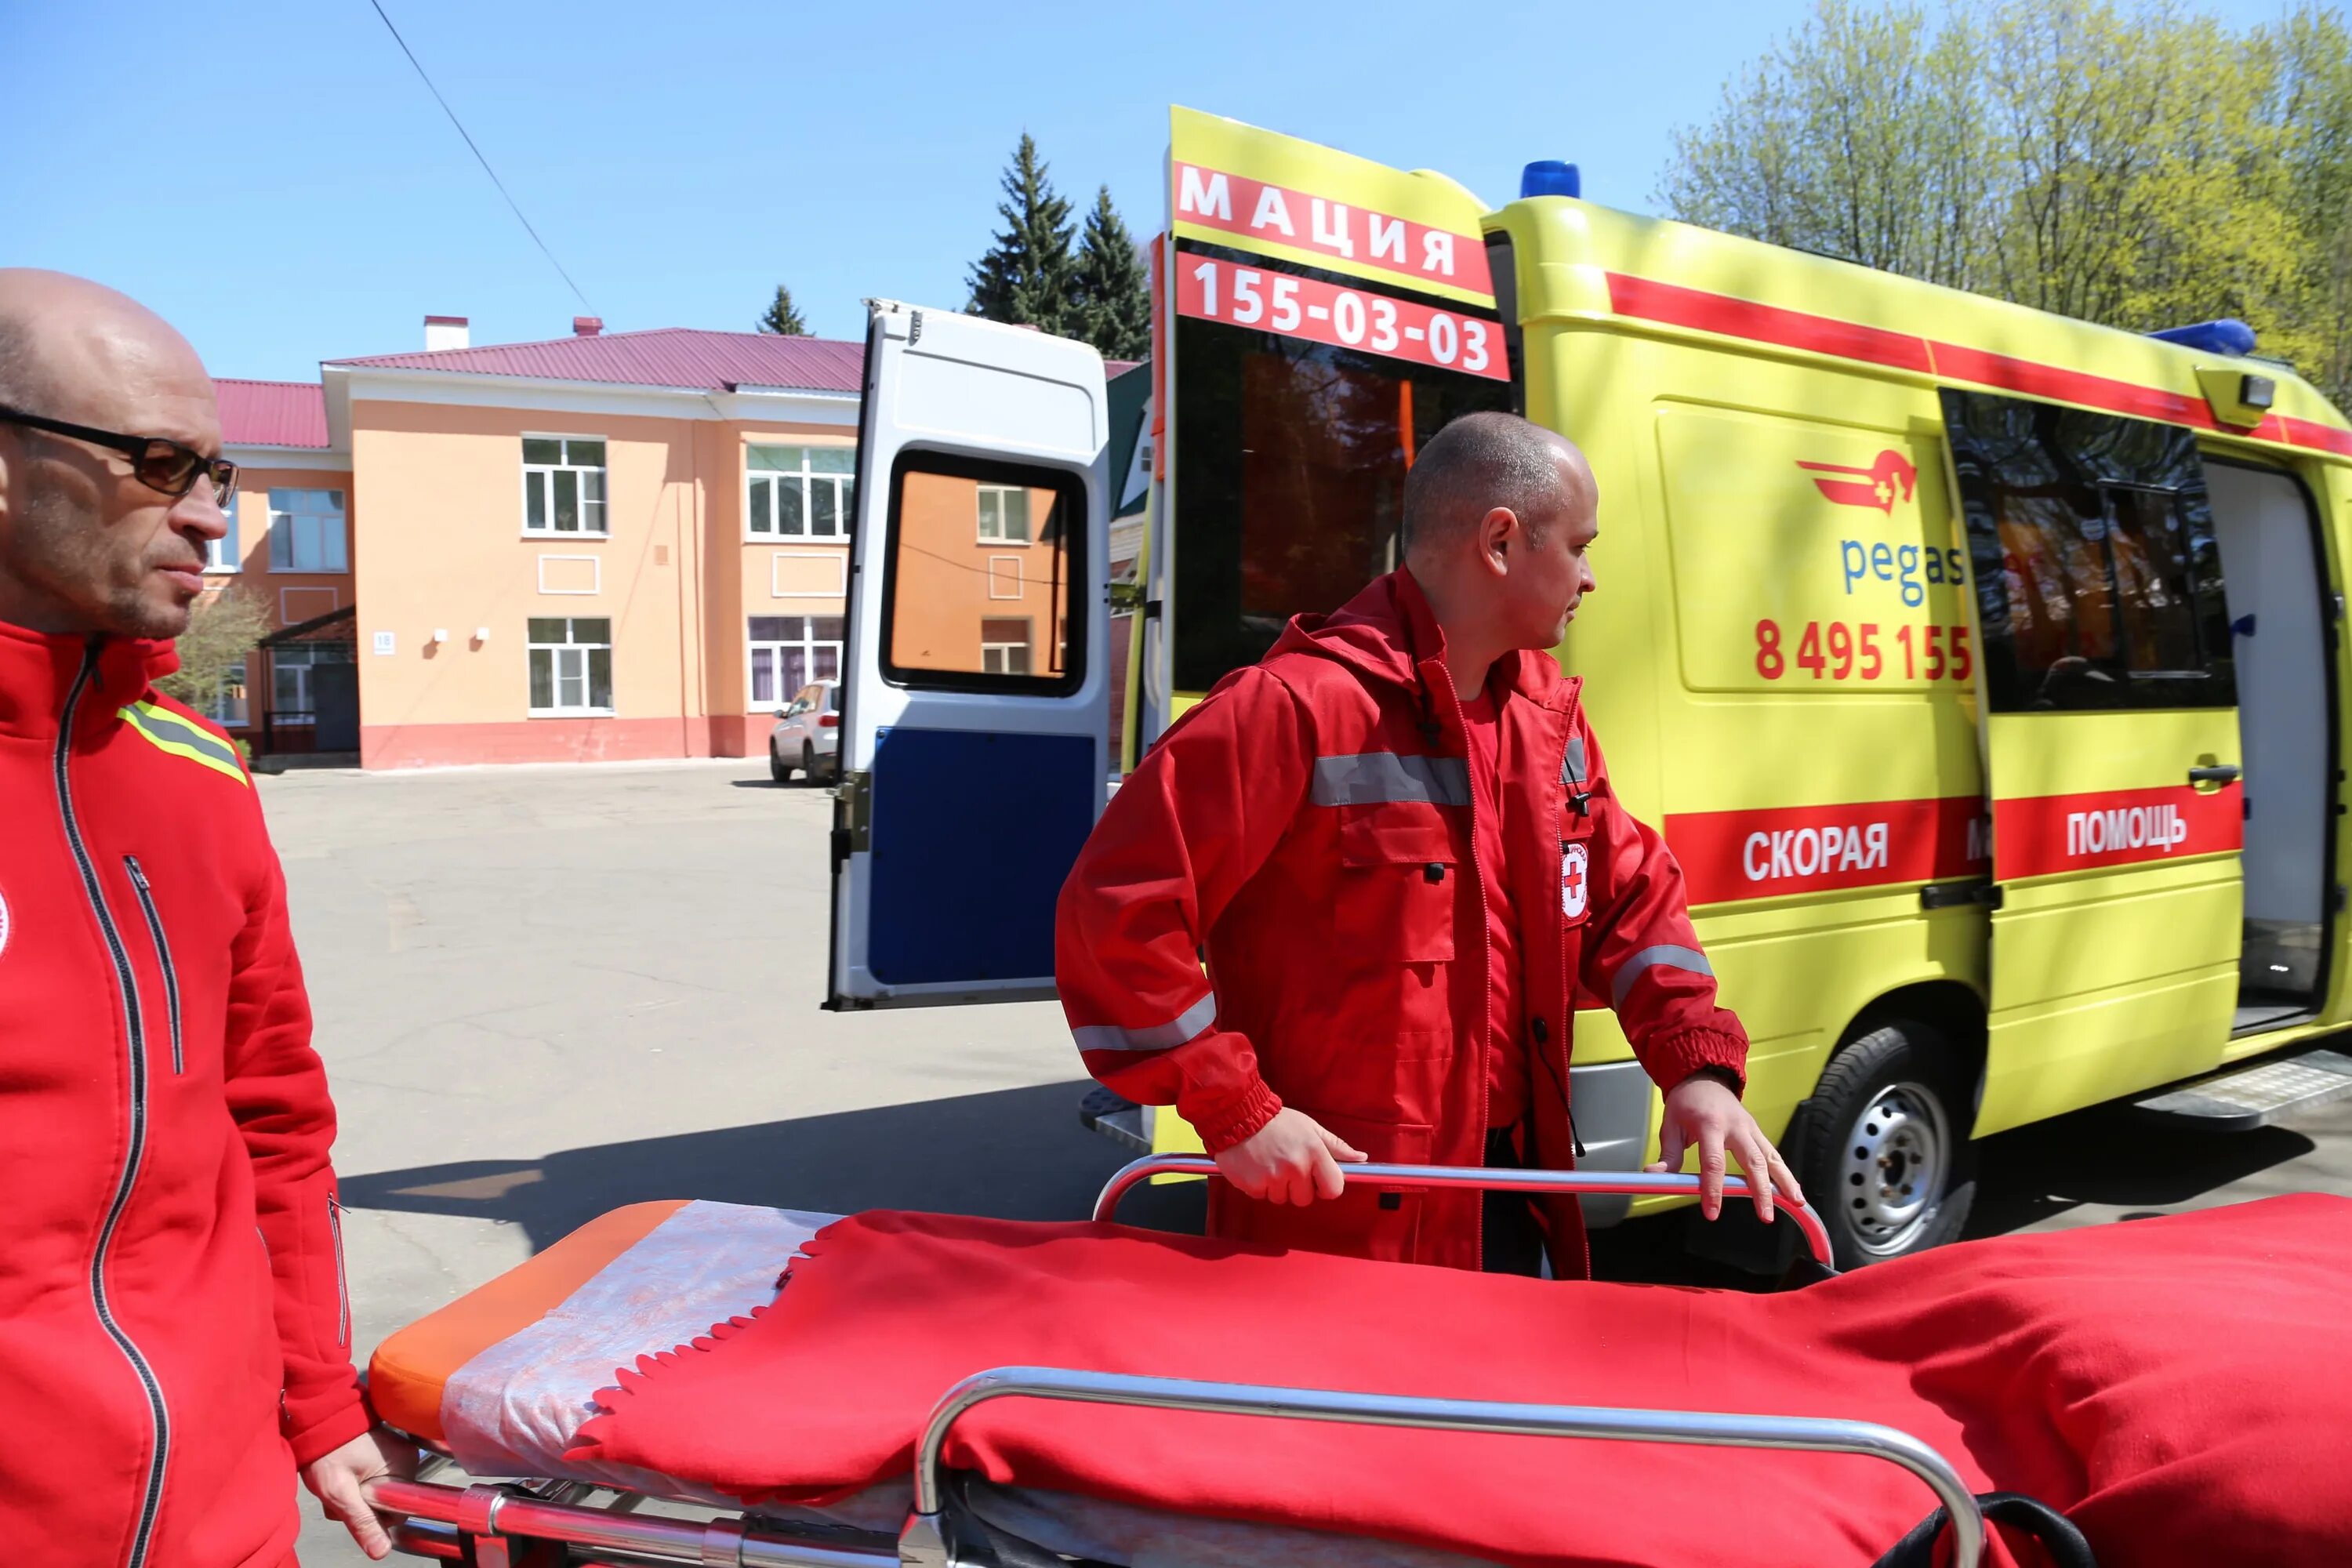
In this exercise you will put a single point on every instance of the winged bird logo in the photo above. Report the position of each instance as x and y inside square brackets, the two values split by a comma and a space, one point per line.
[1881, 485]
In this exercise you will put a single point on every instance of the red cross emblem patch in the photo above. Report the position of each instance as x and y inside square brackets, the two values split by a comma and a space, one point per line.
[1573, 883]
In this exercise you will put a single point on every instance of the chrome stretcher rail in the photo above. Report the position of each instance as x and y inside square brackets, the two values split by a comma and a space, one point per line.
[494, 1515]
[442, 1521]
[926, 1543]
[1610, 1184]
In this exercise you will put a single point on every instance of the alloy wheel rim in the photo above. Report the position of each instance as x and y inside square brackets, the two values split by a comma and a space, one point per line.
[1893, 1167]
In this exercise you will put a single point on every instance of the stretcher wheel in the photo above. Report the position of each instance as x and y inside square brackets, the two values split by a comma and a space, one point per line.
[1887, 1160]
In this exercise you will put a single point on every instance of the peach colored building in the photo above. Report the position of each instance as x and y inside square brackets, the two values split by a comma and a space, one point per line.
[288, 549]
[622, 546]
[605, 546]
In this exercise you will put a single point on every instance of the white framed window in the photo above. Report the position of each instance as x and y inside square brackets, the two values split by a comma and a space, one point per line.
[306, 532]
[788, 652]
[563, 485]
[799, 492]
[222, 554]
[291, 691]
[1003, 514]
[1005, 646]
[228, 707]
[570, 665]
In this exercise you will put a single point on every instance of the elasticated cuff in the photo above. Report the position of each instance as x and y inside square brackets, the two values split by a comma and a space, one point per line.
[1677, 1056]
[1234, 1120]
[323, 1435]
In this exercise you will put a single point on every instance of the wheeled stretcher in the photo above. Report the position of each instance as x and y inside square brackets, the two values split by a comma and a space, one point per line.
[471, 1383]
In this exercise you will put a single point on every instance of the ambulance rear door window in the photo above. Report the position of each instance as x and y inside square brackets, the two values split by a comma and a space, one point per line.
[2097, 578]
[977, 583]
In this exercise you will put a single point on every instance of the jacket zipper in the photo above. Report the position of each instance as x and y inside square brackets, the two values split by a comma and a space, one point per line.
[143, 1534]
[342, 1282]
[163, 956]
[1485, 962]
[1567, 981]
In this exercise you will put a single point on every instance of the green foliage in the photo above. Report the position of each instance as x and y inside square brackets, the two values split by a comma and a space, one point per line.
[782, 318]
[212, 649]
[1113, 286]
[1029, 275]
[2127, 161]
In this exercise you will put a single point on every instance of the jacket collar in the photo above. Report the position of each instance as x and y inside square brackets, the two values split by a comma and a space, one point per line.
[1389, 634]
[38, 671]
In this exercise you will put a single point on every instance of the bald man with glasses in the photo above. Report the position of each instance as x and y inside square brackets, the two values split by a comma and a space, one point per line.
[174, 1329]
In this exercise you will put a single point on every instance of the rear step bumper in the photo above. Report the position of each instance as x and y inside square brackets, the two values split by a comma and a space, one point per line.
[1118, 1118]
[2244, 1098]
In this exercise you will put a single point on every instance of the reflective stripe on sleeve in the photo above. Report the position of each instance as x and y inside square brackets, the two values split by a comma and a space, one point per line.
[1189, 1025]
[1688, 958]
[167, 731]
[1571, 766]
[1371, 778]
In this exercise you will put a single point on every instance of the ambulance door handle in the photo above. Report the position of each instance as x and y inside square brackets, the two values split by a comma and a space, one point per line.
[2220, 773]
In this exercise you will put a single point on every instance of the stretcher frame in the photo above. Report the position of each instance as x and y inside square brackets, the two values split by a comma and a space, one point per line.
[547, 1525]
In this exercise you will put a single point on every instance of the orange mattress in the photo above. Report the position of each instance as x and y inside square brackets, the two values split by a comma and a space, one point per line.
[410, 1371]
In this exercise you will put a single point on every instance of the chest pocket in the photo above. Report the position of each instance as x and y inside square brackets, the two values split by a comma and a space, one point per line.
[1399, 875]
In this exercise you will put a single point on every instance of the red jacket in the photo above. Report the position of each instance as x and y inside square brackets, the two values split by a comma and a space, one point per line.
[173, 1316]
[1309, 827]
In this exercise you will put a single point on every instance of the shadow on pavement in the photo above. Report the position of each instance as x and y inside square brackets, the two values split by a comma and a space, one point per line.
[2111, 1157]
[2106, 1156]
[1021, 1154]
[1011, 1154]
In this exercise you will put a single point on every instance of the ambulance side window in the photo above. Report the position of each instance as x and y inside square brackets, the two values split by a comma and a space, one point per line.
[976, 585]
[2098, 580]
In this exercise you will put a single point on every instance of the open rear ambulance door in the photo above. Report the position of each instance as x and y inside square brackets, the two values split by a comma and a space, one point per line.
[975, 683]
[2110, 720]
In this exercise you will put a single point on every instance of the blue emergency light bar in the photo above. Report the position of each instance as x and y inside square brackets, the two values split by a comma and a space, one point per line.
[1550, 177]
[2225, 336]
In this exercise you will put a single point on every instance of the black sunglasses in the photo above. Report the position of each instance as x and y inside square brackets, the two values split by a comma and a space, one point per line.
[163, 465]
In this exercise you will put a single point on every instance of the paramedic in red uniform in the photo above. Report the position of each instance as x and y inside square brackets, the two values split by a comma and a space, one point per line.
[1395, 843]
[174, 1338]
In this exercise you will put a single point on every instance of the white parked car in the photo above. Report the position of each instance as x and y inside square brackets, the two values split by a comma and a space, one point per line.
[808, 735]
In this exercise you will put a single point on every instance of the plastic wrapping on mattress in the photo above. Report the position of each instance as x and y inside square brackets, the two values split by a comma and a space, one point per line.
[515, 1408]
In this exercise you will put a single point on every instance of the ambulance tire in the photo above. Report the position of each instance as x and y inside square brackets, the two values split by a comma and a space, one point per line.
[1885, 1159]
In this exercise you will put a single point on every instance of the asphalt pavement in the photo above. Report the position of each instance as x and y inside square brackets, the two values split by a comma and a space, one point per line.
[545, 991]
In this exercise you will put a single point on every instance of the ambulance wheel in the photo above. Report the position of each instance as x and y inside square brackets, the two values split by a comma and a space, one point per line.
[1886, 1161]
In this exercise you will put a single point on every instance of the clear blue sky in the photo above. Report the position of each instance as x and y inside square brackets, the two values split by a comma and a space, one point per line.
[282, 186]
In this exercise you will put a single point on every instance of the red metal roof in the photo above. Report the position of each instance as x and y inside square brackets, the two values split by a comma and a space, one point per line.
[667, 356]
[272, 412]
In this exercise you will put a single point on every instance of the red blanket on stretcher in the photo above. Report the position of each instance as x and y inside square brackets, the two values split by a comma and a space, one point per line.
[2180, 1387]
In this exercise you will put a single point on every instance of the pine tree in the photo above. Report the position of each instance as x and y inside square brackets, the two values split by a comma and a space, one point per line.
[1113, 287]
[1027, 277]
[782, 318]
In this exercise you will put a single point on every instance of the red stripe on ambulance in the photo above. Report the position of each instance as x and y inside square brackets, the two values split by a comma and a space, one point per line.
[2042, 835]
[1732, 855]
[1675, 305]
[1361, 319]
[1234, 203]
[1678, 306]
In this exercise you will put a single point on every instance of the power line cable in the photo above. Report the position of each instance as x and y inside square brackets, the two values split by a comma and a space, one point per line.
[485, 162]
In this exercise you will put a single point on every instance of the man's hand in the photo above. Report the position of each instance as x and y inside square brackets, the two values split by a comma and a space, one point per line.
[1290, 1160]
[1704, 1111]
[335, 1480]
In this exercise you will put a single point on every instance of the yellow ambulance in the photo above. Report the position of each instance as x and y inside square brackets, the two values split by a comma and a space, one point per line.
[1982, 668]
